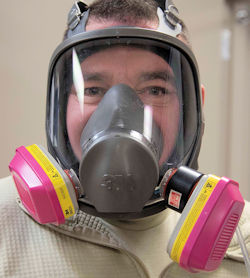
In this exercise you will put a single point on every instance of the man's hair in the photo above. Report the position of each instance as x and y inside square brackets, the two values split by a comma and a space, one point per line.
[130, 12]
[124, 11]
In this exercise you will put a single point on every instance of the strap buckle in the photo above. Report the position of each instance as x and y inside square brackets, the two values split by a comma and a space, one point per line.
[172, 15]
[75, 14]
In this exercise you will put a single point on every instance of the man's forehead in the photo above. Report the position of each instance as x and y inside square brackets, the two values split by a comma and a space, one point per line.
[125, 49]
[134, 56]
[96, 24]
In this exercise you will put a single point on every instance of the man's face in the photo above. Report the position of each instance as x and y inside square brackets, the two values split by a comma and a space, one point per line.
[145, 72]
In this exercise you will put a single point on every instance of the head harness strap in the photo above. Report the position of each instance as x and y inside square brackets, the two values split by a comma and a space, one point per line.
[170, 11]
[77, 18]
[169, 21]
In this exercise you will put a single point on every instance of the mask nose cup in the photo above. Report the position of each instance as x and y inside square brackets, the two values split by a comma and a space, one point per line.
[119, 168]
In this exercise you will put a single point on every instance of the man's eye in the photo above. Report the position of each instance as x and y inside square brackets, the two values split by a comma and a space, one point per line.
[154, 91]
[94, 91]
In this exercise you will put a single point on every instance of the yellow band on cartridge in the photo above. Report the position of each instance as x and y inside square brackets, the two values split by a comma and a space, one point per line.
[55, 178]
[192, 217]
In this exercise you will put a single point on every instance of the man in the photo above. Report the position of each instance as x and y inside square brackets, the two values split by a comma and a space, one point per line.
[120, 100]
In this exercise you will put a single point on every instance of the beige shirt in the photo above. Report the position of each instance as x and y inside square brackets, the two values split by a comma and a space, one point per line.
[88, 246]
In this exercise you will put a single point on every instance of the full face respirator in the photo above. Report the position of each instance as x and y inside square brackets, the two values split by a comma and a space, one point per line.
[124, 126]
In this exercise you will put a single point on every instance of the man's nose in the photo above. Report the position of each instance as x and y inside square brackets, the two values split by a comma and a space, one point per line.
[123, 78]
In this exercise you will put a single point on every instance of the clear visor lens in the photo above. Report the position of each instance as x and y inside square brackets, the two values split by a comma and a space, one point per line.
[161, 78]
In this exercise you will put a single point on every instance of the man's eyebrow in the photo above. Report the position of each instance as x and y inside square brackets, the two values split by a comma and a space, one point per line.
[95, 76]
[163, 75]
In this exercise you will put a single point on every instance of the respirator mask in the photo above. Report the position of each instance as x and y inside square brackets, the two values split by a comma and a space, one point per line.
[123, 113]
[123, 107]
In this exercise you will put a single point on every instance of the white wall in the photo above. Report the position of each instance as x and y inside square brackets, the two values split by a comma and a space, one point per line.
[221, 46]
[204, 19]
[31, 30]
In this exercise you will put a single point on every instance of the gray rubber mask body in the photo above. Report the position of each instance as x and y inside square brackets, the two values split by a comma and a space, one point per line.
[119, 169]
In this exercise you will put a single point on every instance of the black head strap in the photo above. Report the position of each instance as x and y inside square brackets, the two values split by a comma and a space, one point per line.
[75, 14]
[170, 10]
[77, 18]
[161, 4]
